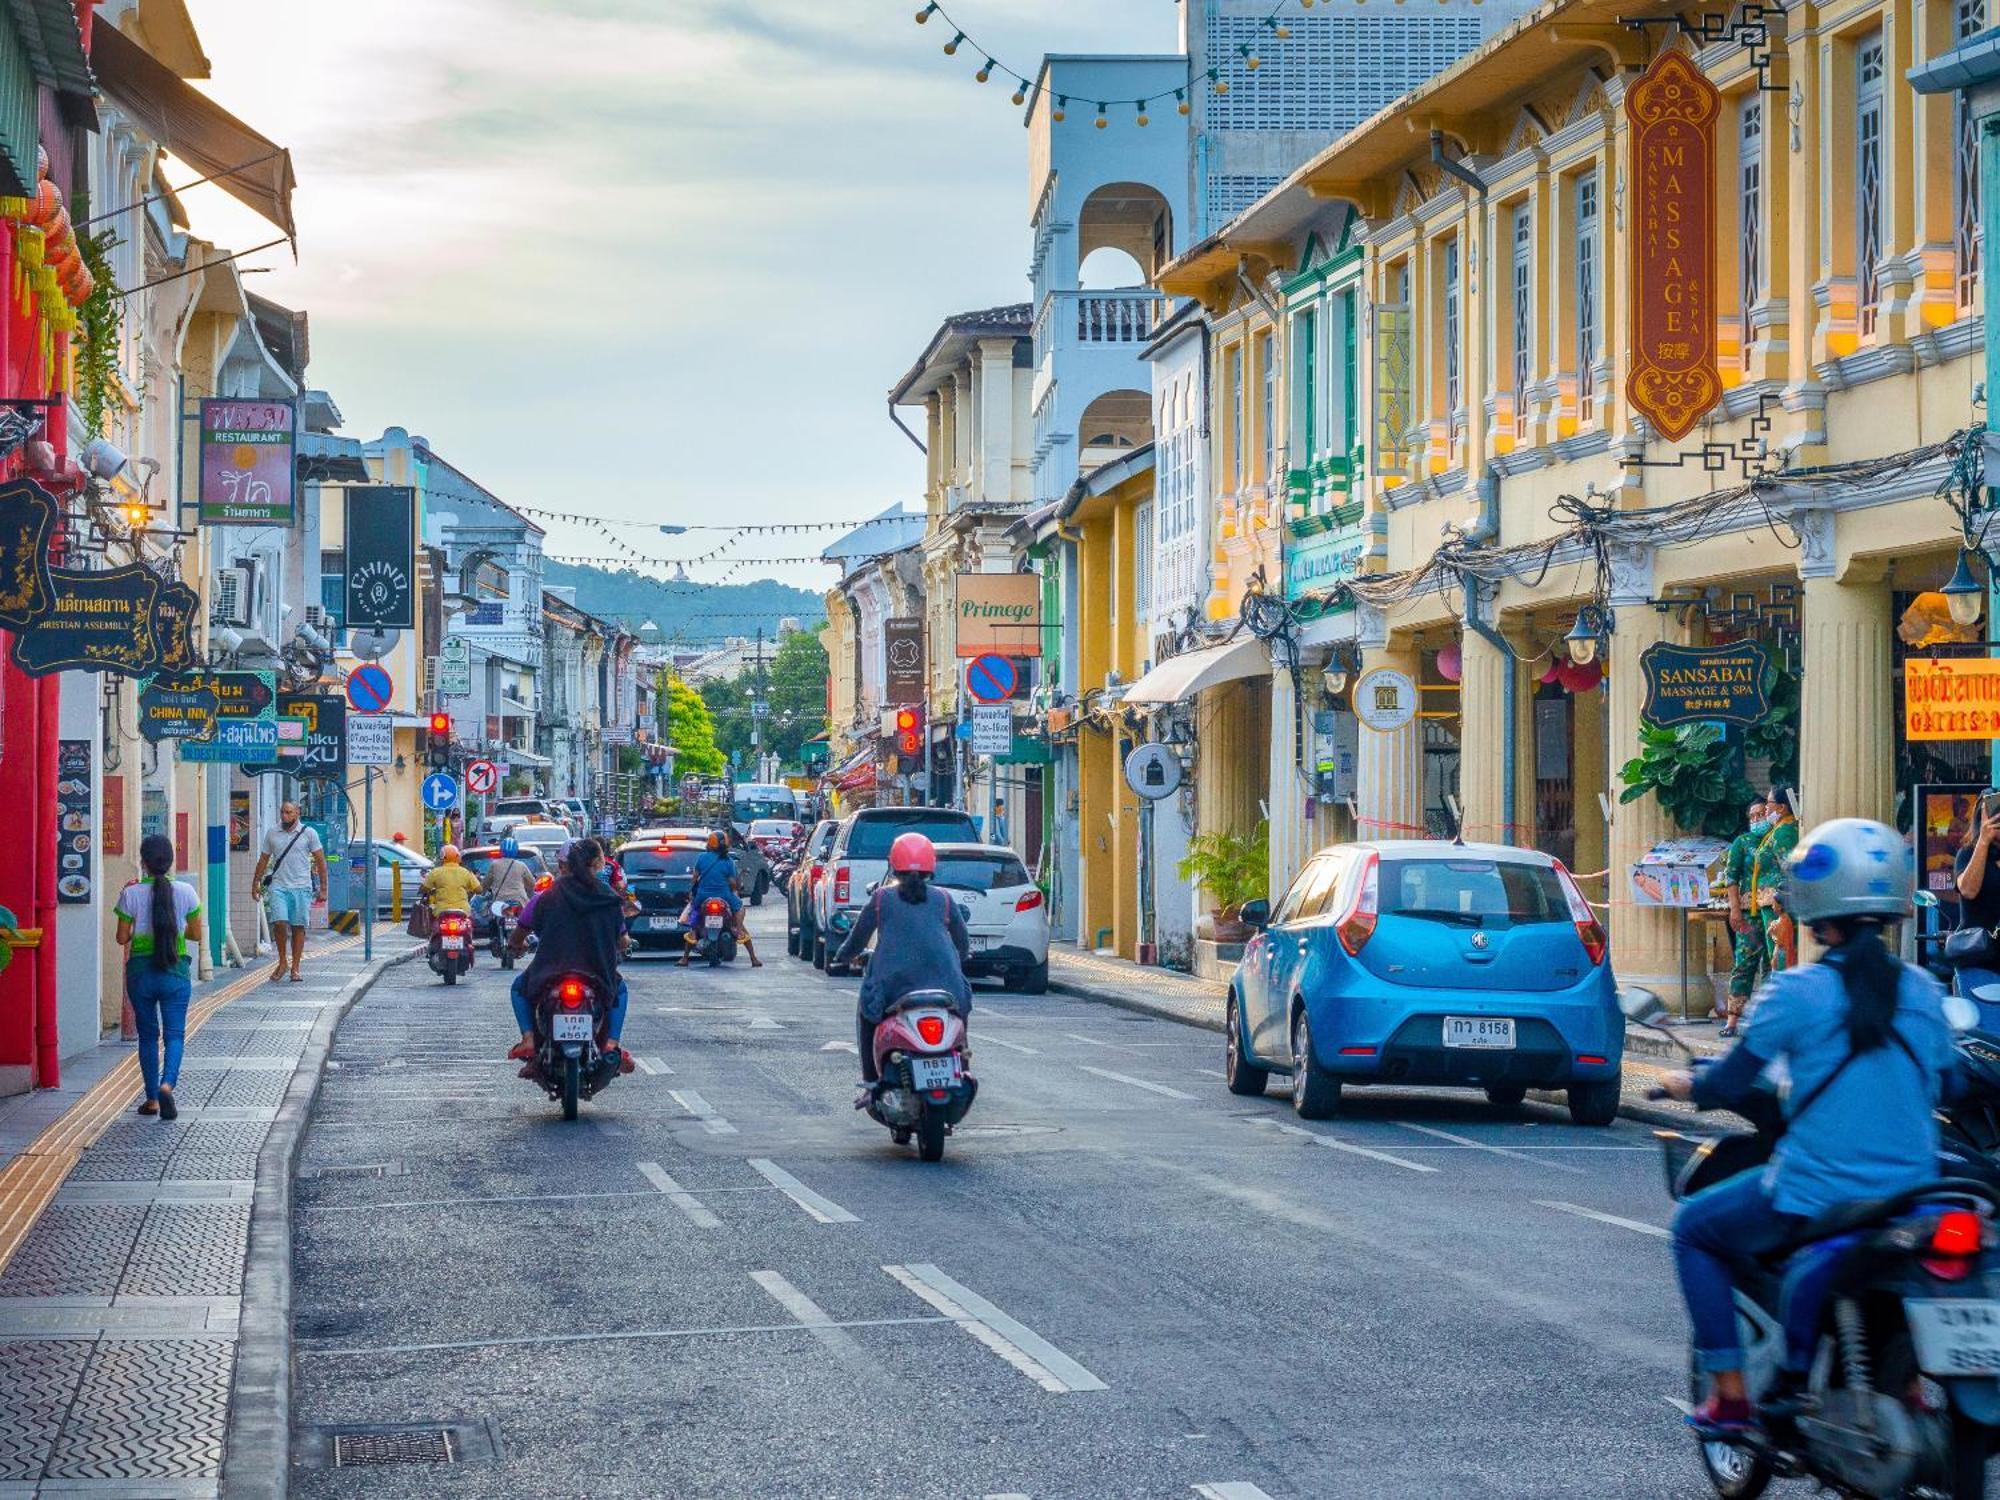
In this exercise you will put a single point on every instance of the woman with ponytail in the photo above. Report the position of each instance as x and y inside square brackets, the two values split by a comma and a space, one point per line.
[157, 918]
[1864, 1039]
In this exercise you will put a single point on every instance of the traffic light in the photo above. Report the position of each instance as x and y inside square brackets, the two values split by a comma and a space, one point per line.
[909, 731]
[439, 744]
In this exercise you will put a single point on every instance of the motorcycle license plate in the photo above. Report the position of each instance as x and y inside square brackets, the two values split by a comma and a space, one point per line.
[657, 924]
[713, 924]
[451, 944]
[570, 1026]
[934, 1072]
[1955, 1336]
[1492, 1032]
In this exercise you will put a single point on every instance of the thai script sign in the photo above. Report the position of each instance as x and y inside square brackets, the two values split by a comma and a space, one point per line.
[381, 557]
[1951, 698]
[29, 516]
[903, 660]
[95, 622]
[174, 614]
[1704, 684]
[1672, 110]
[1000, 612]
[247, 471]
[323, 719]
[235, 742]
[189, 705]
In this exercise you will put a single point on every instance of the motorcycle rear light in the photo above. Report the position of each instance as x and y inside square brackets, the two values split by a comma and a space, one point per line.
[571, 994]
[711, 907]
[1029, 901]
[931, 1029]
[1589, 931]
[1358, 925]
[1958, 1232]
[840, 883]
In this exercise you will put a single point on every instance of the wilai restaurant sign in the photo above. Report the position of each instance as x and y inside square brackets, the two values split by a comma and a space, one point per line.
[1001, 613]
[1704, 684]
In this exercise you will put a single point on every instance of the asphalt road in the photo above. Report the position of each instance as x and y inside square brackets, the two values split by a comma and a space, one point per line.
[1121, 1282]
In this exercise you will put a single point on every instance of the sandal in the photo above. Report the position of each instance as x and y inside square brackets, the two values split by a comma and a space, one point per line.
[1719, 1417]
[522, 1052]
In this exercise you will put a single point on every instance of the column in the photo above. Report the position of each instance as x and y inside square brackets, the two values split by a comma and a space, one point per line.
[1485, 733]
[1645, 941]
[1389, 771]
[1847, 742]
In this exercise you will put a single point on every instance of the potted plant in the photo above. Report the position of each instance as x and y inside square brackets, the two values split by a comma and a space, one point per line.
[1232, 869]
[1694, 772]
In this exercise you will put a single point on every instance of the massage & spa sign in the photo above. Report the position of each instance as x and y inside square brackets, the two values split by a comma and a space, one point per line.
[1704, 684]
[246, 463]
[1951, 698]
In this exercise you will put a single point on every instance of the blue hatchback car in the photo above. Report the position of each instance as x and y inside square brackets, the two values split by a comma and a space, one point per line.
[1413, 962]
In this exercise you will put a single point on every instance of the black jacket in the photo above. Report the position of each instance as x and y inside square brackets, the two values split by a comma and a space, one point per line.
[577, 925]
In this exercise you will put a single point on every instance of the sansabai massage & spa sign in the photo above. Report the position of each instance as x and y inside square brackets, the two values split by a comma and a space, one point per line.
[1704, 684]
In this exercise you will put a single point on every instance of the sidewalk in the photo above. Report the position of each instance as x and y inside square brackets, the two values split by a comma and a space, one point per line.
[124, 1241]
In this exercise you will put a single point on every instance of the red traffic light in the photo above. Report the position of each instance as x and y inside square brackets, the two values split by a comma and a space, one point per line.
[906, 721]
[441, 724]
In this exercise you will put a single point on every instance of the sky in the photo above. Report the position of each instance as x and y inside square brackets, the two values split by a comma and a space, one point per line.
[650, 259]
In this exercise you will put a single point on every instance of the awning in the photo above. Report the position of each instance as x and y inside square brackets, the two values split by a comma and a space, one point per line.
[201, 133]
[856, 773]
[514, 755]
[1180, 677]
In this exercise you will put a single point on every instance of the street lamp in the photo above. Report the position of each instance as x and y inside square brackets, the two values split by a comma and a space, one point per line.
[1586, 635]
[1964, 596]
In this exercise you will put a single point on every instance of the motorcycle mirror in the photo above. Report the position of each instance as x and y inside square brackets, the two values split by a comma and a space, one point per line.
[1926, 899]
[1641, 1005]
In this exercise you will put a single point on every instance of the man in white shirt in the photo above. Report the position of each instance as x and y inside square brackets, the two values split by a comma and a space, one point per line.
[296, 866]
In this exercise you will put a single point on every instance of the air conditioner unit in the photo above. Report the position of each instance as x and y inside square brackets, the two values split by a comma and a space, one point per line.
[430, 675]
[233, 599]
[317, 617]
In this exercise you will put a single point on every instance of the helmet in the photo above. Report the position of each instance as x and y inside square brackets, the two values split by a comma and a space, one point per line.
[912, 852]
[715, 843]
[449, 854]
[511, 847]
[1850, 867]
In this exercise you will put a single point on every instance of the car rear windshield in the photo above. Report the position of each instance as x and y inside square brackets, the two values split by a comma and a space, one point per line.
[1472, 892]
[520, 805]
[980, 872]
[657, 862]
[871, 837]
[479, 864]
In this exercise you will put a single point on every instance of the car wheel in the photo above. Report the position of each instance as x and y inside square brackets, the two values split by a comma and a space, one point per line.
[805, 941]
[757, 891]
[1315, 1093]
[1506, 1097]
[1594, 1103]
[1033, 980]
[819, 953]
[791, 939]
[1243, 1076]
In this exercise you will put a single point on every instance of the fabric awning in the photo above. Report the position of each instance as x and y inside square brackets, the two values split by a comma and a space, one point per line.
[1181, 677]
[856, 773]
[244, 164]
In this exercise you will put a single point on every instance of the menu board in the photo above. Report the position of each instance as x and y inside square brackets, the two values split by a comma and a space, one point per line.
[1678, 872]
[75, 842]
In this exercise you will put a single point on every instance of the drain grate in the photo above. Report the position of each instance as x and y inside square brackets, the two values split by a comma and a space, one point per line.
[424, 1445]
[357, 1169]
[369, 1445]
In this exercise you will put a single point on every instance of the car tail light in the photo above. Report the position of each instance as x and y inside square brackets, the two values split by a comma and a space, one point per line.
[1591, 1061]
[931, 1029]
[571, 994]
[1029, 901]
[1357, 1051]
[1588, 929]
[840, 885]
[814, 871]
[1358, 925]
[1956, 1240]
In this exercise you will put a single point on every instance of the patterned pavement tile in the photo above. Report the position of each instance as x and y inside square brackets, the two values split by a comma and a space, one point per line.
[74, 1250]
[188, 1250]
[37, 1379]
[148, 1409]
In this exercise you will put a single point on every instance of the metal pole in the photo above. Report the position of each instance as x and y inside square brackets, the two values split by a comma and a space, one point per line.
[368, 885]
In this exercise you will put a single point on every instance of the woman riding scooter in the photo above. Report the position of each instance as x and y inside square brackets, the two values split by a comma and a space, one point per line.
[579, 927]
[715, 877]
[1868, 1051]
[922, 946]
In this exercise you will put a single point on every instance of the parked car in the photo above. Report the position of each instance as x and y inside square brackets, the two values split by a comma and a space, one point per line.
[499, 825]
[659, 877]
[805, 880]
[860, 857]
[1431, 964]
[388, 856]
[1005, 915]
[576, 811]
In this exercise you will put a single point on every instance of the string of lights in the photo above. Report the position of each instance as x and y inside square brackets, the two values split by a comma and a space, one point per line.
[769, 528]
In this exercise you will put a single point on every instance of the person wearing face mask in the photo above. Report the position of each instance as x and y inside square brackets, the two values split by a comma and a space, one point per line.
[1767, 875]
[1978, 884]
[1748, 934]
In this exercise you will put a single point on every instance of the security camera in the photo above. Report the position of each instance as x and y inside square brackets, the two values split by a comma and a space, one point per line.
[228, 639]
[104, 459]
[314, 639]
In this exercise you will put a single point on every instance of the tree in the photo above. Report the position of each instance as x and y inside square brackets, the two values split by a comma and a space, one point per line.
[687, 725]
[797, 693]
[729, 706]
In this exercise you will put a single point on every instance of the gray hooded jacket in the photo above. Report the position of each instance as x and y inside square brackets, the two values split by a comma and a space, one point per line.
[918, 946]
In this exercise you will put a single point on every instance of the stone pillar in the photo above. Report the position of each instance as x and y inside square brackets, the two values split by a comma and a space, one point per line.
[1847, 738]
[1389, 773]
[1484, 734]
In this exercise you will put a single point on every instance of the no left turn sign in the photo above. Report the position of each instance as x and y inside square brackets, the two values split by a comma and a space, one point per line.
[481, 777]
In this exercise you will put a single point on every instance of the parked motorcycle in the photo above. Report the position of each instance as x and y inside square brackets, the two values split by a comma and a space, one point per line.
[714, 933]
[450, 952]
[570, 1012]
[924, 1065]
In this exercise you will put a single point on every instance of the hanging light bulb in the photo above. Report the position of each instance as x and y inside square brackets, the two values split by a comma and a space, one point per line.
[985, 72]
[1284, 33]
[1061, 110]
[1965, 596]
[1582, 640]
[925, 14]
[951, 47]
[1222, 85]
[1101, 120]
[1183, 106]
[1141, 117]
[1021, 95]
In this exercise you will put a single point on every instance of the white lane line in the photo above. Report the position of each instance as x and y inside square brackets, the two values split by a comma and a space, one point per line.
[812, 1317]
[764, 1023]
[1010, 1495]
[1093, 1041]
[652, 1065]
[1590, 1213]
[1023, 1348]
[1137, 1083]
[823, 1209]
[1332, 1143]
[980, 1036]
[841, 1047]
[1230, 1492]
[696, 1211]
[1211, 1072]
[1466, 1140]
[702, 1110]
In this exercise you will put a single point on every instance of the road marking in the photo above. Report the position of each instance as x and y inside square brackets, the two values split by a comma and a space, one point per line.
[764, 1023]
[616, 1335]
[980, 1036]
[841, 1047]
[652, 1065]
[1230, 1492]
[1463, 1140]
[1093, 1041]
[1023, 1348]
[823, 1209]
[1211, 1072]
[1139, 1083]
[702, 1110]
[814, 1320]
[697, 1213]
[1333, 1143]
[1590, 1213]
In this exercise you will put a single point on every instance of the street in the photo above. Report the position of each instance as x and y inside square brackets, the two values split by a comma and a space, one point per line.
[723, 1281]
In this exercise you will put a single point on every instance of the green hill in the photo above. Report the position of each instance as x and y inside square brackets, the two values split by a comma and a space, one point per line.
[685, 611]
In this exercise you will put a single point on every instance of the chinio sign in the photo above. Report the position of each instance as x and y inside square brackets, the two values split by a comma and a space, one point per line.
[1951, 698]
[1704, 684]
[1000, 613]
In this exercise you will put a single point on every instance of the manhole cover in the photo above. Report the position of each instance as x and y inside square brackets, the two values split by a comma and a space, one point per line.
[357, 1169]
[361, 1445]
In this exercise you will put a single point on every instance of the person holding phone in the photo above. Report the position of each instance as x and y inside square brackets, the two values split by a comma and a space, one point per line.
[1978, 885]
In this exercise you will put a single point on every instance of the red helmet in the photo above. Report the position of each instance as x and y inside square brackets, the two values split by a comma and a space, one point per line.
[912, 852]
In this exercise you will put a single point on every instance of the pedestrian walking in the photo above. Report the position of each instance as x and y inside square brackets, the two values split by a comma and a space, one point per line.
[1767, 875]
[157, 918]
[290, 875]
[1748, 965]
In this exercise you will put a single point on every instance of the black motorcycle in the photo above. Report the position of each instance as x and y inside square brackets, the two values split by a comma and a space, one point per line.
[570, 1014]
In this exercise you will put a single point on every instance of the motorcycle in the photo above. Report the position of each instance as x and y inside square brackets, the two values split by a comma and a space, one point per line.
[714, 934]
[570, 1012]
[503, 916]
[450, 952]
[924, 1065]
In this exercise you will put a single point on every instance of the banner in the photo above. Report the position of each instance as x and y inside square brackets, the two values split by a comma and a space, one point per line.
[999, 612]
[1704, 684]
[96, 622]
[174, 616]
[903, 660]
[247, 470]
[1672, 110]
[29, 516]
[74, 836]
[1951, 698]
[381, 557]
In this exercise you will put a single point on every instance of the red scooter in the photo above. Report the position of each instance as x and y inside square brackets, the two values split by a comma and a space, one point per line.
[924, 1064]
[451, 945]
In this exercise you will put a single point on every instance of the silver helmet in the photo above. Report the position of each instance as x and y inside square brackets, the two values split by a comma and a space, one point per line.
[1851, 867]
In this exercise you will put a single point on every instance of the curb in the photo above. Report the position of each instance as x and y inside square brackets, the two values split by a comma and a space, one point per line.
[256, 1454]
[1132, 1003]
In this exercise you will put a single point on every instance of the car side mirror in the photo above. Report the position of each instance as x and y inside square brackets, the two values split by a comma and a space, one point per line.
[1256, 913]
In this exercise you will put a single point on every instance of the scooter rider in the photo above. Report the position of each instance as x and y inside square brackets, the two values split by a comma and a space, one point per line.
[507, 877]
[715, 877]
[448, 885]
[579, 926]
[922, 946]
[1869, 1054]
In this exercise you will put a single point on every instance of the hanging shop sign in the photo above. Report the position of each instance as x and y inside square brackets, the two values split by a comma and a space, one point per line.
[1947, 822]
[1951, 698]
[1385, 700]
[999, 612]
[322, 740]
[381, 557]
[95, 622]
[903, 660]
[188, 705]
[1673, 380]
[1153, 771]
[247, 468]
[454, 670]
[174, 614]
[74, 836]
[29, 516]
[249, 743]
[1697, 684]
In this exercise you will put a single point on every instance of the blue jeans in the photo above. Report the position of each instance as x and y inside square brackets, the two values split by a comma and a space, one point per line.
[1716, 1229]
[524, 1010]
[159, 1006]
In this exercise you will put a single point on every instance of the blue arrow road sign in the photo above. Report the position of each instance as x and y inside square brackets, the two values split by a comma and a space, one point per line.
[440, 792]
[991, 678]
[369, 688]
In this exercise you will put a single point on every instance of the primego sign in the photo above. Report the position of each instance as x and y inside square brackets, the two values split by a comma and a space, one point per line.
[999, 613]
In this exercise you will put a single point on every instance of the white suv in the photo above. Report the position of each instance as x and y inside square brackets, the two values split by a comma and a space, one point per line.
[1004, 913]
[860, 857]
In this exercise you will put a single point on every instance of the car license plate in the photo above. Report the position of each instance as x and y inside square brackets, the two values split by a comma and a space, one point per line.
[981, 944]
[657, 924]
[1955, 1336]
[1496, 1032]
[571, 1026]
[934, 1072]
[451, 944]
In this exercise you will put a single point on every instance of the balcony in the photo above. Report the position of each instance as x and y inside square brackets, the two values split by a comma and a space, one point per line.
[1096, 319]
